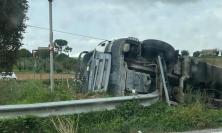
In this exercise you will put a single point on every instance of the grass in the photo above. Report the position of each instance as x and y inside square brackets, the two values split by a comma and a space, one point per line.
[22, 92]
[37, 91]
[65, 125]
[129, 117]
[212, 60]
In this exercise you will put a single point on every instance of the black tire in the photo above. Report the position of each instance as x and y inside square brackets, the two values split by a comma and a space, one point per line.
[151, 48]
[115, 86]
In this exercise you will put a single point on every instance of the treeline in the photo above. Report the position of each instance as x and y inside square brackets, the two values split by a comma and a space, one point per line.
[203, 53]
[38, 61]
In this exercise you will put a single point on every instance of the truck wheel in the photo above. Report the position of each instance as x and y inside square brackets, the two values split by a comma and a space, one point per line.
[152, 48]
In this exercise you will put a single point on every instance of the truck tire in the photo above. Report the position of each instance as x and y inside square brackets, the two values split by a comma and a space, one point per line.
[115, 86]
[151, 48]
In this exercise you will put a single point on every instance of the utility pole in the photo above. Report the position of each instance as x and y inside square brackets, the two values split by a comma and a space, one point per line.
[51, 47]
[34, 54]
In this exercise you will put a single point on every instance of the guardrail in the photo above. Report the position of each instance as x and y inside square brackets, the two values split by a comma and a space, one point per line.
[73, 106]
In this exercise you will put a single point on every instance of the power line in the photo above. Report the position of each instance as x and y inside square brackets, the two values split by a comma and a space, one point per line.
[64, 32]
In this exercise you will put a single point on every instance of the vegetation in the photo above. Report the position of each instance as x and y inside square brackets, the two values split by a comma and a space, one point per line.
[62, 45]
[212, 60]
[185, 53]
[59, 44]
[12, 26]
[196, 54]
[37, 91]
[22, 92]
[129, 117]
[40, 62]
[23, 53]
[68, 50]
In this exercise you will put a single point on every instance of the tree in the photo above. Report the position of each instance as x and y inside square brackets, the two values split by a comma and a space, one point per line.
[185, 53]
[61, 57]
[68, 50]
[24, 53]
[196, 54]
[69, 64]
[12, 27]
[59, 44]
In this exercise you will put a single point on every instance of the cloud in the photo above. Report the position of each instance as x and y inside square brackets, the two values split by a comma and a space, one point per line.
[186, 24]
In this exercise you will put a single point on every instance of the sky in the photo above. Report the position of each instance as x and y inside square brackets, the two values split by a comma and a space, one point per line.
[185, 24]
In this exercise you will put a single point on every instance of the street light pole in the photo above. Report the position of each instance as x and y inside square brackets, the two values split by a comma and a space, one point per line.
[51, 47]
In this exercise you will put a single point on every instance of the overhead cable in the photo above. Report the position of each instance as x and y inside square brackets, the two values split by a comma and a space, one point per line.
[64, 32]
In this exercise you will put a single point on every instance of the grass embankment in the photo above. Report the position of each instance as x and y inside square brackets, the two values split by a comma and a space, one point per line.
[212, 60]
[37, 91]
[129, 117]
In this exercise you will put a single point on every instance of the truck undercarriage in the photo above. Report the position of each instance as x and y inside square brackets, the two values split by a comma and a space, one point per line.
[129, 66]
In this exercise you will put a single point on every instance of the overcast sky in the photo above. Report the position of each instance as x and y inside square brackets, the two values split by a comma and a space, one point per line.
[185, 24]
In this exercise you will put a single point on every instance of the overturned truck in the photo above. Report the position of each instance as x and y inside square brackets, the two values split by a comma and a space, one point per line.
[129, 66]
